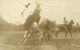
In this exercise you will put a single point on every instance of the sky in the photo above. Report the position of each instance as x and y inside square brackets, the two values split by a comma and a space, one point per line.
[10, 10]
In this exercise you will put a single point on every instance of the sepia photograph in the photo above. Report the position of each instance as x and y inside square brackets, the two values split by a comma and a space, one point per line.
[39, 24]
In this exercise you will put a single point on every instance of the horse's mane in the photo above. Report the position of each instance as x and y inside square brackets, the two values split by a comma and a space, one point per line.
[70, 23]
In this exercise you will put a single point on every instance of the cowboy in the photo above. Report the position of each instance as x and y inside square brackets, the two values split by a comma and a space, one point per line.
[65, 23]
[32, 22]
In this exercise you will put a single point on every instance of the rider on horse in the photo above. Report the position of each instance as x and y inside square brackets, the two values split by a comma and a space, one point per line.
[30, 22]
[65, 24]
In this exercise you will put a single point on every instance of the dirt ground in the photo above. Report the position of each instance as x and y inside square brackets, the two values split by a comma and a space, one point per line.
[10, 39]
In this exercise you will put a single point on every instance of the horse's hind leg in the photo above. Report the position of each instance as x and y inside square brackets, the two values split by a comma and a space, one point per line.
[56, 33]
[40, 38]
[48, 36]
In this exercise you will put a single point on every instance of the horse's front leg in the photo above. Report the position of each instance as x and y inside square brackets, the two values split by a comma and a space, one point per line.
[25, 34]
[26, 38]
[70, 33]
[66, 34]
[21, 42]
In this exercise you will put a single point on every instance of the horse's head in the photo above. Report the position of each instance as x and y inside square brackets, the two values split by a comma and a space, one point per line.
[72, 22]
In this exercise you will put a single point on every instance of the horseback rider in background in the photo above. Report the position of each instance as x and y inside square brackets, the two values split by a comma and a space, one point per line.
[65, 23]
